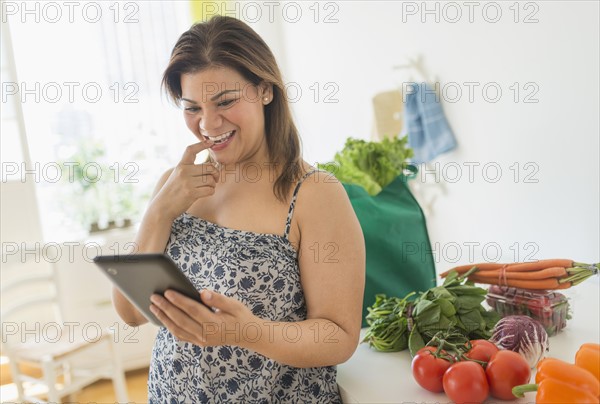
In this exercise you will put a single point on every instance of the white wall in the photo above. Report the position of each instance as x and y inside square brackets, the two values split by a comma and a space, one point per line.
[558, 136]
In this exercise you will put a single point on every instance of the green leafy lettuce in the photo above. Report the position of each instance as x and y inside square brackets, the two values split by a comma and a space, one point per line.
[372, 165]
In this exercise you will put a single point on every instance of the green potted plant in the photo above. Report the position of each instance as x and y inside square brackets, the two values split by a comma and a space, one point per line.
[97, 197]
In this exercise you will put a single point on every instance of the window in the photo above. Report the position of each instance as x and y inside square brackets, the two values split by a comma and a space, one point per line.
[88, 79]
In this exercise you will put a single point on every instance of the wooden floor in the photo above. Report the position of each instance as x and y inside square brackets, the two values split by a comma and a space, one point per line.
[100, 392]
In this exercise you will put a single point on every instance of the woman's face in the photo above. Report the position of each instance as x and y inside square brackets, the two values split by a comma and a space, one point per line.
[219, 104]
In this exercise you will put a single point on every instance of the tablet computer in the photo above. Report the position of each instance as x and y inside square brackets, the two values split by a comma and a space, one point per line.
[139, 276]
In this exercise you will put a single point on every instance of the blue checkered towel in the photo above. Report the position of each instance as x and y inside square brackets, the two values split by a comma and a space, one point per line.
[429, 134]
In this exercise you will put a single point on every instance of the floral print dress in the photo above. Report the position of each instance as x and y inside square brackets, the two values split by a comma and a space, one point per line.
[260, 270]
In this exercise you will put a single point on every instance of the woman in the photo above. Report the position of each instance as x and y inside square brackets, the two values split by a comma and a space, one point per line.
[282, 265]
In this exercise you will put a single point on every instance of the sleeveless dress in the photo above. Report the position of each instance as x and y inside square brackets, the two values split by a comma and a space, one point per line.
[260, 270]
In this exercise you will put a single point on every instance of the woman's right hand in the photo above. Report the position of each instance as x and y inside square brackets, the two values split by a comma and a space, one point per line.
[187, 183]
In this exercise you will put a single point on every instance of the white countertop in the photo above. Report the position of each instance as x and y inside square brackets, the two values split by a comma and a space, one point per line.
[378, 377]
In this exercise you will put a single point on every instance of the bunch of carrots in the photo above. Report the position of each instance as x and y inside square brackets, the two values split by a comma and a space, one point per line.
[547, 274]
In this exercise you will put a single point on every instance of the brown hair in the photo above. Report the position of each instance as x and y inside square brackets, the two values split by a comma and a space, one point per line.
[228, 42]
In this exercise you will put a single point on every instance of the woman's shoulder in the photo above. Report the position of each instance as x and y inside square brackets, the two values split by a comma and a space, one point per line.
[324, 209]
[322, 179]
[320, 188]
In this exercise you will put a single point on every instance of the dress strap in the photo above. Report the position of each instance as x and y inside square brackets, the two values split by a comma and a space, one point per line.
[288, 223]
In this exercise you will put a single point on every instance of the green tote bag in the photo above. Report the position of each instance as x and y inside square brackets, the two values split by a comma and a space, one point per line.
[399, 256]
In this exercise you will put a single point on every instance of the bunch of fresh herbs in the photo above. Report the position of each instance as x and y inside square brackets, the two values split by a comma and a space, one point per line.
[454, 307]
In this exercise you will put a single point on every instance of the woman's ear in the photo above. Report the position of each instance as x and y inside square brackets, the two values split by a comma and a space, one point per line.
[266, 91]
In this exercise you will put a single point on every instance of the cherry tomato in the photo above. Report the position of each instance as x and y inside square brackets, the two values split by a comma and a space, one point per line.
[481, 350]
[465, 382]
[505, 370]
[428, 370]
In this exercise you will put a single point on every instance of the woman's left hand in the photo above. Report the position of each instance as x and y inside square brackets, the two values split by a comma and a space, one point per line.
[192, 322]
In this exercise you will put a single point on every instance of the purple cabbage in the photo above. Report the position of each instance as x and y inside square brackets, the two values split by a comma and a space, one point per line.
[523, 335]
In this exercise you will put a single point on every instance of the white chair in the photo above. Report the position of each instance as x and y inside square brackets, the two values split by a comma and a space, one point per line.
[67, 359]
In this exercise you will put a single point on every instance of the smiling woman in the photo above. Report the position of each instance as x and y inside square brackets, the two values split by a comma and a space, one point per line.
[211, 63]
[287, 312]
[236, 104]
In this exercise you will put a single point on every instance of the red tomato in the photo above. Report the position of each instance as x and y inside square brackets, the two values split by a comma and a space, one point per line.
[482, 350]
[428, 370]
[465, 382]
[505, 370]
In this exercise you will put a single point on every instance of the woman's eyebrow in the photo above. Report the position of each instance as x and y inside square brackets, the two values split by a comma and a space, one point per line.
[214, 97]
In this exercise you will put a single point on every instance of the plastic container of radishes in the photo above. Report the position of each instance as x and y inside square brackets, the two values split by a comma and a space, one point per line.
[548, 307]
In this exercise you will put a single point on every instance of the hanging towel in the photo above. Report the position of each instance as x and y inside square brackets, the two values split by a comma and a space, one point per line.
[429, 134]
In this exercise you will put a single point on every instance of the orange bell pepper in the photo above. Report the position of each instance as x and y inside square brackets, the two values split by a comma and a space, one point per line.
[579, 378]
[561, 382]
[588, 357]
[552, 391]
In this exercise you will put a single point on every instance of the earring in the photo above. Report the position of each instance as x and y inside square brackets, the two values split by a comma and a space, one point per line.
[266, 99]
